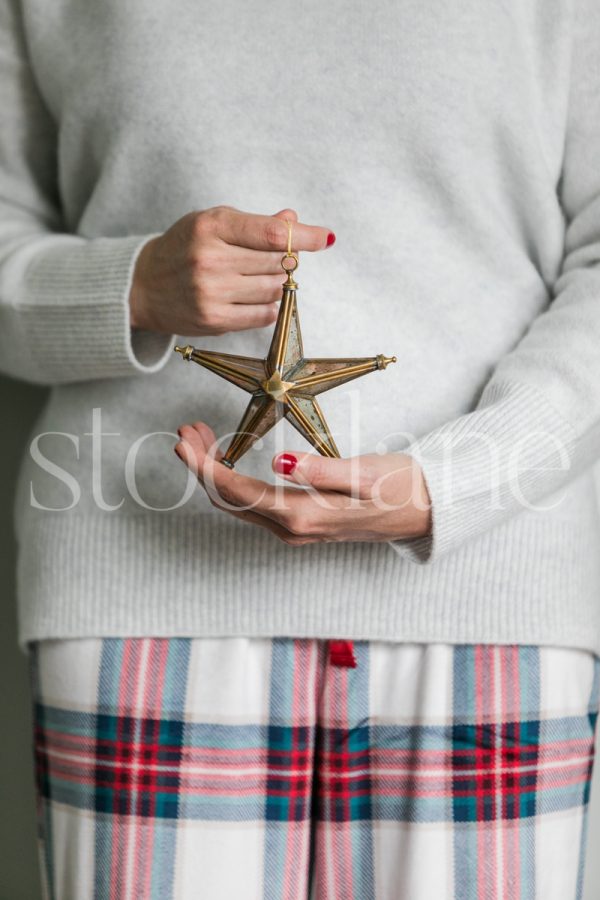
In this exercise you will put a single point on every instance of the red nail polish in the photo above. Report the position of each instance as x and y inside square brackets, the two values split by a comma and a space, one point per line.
[285, 463]
[330, 239]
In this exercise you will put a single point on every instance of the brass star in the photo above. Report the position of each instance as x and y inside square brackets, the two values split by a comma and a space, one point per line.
[284, 384]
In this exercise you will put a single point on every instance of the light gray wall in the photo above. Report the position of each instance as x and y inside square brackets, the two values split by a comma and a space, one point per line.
[19, 404]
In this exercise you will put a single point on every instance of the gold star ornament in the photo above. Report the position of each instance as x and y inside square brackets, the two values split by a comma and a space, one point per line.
[284, 384]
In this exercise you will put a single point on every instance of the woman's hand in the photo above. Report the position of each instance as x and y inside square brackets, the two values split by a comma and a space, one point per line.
[217, 270]
[364, 498]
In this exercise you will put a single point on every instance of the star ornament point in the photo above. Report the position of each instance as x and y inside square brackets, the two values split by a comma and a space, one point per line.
[284, 384]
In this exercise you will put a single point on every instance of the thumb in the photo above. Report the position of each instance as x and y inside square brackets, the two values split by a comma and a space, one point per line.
[321, 472]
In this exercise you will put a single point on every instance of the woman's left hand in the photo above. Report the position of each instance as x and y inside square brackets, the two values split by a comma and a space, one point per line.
[364, 498]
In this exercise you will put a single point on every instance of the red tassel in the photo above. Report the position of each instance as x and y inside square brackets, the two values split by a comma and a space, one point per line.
[341, 653]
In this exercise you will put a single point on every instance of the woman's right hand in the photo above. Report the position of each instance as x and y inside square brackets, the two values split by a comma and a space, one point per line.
[217, 270]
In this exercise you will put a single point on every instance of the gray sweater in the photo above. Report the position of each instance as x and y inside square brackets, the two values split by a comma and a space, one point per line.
[455, 151]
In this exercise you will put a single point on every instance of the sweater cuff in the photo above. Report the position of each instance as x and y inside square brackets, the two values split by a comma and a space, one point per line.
[488, 465]
[75, 304]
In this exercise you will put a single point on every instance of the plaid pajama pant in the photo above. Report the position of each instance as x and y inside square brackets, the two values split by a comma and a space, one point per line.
[239, 768]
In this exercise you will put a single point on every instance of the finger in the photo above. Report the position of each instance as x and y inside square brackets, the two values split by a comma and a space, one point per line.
[198, 450]
[246, 261]
[354, 476]
[269, 232]
[209, 442]
[287, 213]
[261, 262]
[233, 491]
[296, 519]
[240, 316]
[209, 439]
[199, 441]
[189, 451]
[256, 288]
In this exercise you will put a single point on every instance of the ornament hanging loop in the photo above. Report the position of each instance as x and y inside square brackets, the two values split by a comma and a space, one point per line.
[288, 269]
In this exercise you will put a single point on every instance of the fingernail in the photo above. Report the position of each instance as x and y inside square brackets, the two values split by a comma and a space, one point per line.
[176, 450]
[285, 463]
[330, 239]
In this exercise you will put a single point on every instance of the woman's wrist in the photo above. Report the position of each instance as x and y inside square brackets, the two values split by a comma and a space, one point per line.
[139, 292]
[420, 519]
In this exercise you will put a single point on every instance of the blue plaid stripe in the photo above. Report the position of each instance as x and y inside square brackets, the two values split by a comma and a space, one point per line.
[163, 795]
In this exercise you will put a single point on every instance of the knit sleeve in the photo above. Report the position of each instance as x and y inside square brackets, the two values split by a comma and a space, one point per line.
[64, 299]
[537, 423]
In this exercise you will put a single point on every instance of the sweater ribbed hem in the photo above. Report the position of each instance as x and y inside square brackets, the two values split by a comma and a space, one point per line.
[75, 304]
[171, 574]
[481, 466]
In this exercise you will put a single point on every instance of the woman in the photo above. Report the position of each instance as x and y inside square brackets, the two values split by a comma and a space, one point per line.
[374, 676]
